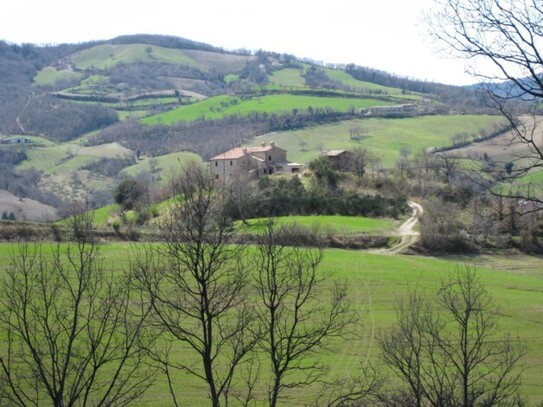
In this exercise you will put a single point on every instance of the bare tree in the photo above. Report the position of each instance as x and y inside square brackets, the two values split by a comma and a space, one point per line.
[441, 226]
[374, 162]
[197, 286]
[447, 164]
[356, 131]
[360, 159]
[404, 166]
[503, 39]
[452, 355]
[242, 195]
[73, 334]
[298, 319]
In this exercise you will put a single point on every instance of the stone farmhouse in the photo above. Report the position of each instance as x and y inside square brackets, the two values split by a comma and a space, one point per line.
[253, 161]
[339, 159]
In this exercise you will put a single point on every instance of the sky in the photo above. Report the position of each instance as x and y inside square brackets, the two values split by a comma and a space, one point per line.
[389, 35]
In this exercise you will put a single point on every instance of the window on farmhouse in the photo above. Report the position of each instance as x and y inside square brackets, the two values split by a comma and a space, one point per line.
[216, 163]
[230, 162]
[269, 158]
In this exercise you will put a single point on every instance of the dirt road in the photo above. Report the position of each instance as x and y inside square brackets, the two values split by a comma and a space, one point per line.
[408, 236]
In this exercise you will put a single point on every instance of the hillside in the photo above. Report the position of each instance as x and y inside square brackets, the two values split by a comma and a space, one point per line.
[26, 209]
[90, 110]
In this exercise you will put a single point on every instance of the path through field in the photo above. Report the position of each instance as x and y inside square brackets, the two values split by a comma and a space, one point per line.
[408, 236]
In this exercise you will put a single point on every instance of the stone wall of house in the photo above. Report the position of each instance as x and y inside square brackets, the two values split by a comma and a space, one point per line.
[225, 168]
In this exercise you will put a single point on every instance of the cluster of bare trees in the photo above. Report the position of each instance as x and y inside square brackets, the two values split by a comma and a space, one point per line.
[502, 38]
[72, 331]
[447, 350]
[237, 309]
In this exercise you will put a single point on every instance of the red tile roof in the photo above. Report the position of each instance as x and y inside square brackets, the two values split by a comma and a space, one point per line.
[235, 153]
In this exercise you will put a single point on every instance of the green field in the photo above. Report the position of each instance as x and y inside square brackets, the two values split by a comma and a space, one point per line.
[535, 177]
[50, 76]
[288, 77]
[384, 137]
[346, 225]
[376, 283]
[69, 156]
[221, 106]
[291, 78]
[168, 165]
[345, 79]
[106, 56]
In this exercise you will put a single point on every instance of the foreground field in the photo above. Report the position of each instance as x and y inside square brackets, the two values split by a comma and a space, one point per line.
[377, 282]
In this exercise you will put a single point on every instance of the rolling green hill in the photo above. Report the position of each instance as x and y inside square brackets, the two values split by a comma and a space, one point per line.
[384, 137]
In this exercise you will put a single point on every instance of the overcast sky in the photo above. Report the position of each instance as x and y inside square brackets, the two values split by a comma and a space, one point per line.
[383, 34]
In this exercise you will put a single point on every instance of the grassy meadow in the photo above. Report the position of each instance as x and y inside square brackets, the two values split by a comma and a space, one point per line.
[71, 156]
[221, 106]
[384, 137]
[288, 78]
[292, 78]
[50, 76]
[345, 79]
[106, 56]
[376, 283]
[345, 225]
[168, 165]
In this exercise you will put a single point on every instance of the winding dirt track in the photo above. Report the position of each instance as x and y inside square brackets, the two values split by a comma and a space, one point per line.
[408, 236]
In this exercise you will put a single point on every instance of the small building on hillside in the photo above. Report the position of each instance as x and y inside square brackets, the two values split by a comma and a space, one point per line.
[404, 110]
[253, 161]
[339, 160]
[14, 140]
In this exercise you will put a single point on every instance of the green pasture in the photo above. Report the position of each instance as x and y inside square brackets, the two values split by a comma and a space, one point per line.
[288, 77]
[292, 78]
[376, 283]
[384, 137]
[168, 165]
[535, 178]
[230, 78]
[95, 80]
[69, 156]
[47, 158]
[153, 101]
[222, 62]
[131, 114]
[345, 225]
[221, 106]
[106, 56]
[49, 76]
[345, 79]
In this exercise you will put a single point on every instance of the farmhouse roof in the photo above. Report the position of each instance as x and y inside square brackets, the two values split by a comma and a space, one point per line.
[335, 153]
[238, 152]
